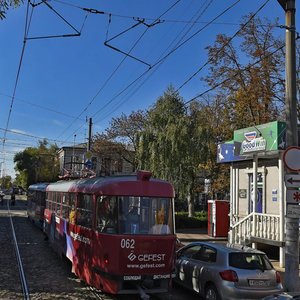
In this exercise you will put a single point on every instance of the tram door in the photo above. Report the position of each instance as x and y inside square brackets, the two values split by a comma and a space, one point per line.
[260, 193]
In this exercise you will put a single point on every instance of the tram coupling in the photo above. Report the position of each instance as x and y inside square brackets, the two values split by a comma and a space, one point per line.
[142, 293]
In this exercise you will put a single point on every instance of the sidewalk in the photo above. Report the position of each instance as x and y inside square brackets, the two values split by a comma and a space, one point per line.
[197, 234]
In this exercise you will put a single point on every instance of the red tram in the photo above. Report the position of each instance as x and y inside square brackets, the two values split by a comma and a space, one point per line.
[36, 202]
[118, 232]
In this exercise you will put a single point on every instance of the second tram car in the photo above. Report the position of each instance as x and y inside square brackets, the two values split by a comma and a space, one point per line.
[36, 202]
[118, 232]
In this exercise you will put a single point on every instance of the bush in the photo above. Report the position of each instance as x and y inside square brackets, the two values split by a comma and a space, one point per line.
[183, 221]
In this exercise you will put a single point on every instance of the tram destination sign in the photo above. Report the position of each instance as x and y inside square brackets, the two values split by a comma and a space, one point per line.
[292, 180]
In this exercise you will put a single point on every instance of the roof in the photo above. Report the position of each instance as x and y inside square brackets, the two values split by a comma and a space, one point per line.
[126, 185]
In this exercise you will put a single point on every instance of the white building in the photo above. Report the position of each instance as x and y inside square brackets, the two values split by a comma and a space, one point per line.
[78, 161]
[257, 188]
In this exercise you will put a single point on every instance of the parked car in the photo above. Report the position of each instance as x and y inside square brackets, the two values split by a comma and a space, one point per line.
[226, 271]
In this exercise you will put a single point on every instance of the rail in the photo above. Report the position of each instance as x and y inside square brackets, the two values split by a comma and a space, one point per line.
[19, 260]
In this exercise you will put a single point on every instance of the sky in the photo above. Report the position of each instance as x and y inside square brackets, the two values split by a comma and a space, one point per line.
[63, 62]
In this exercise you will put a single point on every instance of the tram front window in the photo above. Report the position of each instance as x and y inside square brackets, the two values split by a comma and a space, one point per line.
[134, 215]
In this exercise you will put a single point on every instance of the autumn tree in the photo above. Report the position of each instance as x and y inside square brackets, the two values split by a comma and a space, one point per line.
[37, 164]
[250, 75]
[247, 79]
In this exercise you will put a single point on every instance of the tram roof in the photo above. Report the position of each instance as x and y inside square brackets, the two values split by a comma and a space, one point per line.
[41, 186]
[131, 185]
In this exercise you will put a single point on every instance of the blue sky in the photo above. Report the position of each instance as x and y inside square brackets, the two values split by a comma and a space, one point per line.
[64, 80]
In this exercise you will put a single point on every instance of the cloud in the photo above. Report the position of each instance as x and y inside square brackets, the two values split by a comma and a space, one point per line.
[19, 131]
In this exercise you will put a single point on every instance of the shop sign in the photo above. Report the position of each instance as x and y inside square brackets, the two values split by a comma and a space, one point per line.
[253, 143]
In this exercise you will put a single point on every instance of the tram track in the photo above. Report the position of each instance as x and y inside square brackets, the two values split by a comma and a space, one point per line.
[43, 275]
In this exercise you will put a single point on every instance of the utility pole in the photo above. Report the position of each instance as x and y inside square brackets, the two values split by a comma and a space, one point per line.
[90, 135]
[291, 224]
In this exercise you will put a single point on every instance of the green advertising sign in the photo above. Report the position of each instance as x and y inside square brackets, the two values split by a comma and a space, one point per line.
[265, 137]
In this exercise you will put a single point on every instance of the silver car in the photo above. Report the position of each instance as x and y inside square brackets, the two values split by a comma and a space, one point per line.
[226, 271]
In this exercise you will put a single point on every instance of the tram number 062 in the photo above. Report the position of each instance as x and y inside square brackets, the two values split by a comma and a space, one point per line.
[127, 243]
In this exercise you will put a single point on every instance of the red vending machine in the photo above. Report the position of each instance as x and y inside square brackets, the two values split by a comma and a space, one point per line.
[218, 218]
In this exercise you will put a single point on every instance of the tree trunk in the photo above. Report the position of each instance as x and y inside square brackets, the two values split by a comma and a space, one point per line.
[191, 207]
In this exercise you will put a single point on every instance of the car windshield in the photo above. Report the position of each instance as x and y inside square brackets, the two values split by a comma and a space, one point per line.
[249, 261]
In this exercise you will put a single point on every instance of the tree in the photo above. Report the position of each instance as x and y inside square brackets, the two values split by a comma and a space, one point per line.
[6, 182]
[5, 4]
[171, 145]
[124, 131]
[37, 164]
[248, 83]
[252, 86]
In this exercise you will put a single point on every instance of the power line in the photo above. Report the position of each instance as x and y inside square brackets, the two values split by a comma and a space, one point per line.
[33, 136]
[221, 49]
[41, 107]
[161, 60]
[113, 73]
[236, 74]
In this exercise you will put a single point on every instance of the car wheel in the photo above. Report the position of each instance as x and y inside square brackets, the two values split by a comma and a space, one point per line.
[211, 293]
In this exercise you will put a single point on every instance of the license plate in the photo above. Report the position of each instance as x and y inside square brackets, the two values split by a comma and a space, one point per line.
[259, 283]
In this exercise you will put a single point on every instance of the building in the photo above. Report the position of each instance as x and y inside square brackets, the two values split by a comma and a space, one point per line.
[77, 161]
[257, 187]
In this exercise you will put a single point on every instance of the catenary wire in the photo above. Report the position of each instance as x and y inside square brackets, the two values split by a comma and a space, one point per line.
[221, 49]
[113, 73]
[161, 60]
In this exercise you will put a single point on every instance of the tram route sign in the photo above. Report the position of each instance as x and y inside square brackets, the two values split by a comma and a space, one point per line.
[292, 180]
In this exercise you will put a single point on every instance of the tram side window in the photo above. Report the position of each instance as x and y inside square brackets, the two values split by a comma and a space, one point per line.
[58, 203]
[65, 206]
[84, 210]
[106, 214]
[71, 208]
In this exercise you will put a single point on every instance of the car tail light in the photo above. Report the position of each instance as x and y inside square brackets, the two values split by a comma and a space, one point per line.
[229, 275]
[278, 277]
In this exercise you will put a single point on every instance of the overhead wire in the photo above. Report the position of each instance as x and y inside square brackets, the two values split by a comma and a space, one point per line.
[161, 60]
[198, 14]
[40, 106]
[32, 136]
[113, 73]
[227, 42]
[228, 79]
[26, 29]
